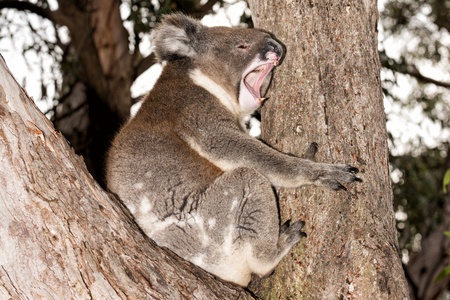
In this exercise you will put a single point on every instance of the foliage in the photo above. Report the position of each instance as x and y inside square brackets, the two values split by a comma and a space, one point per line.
[446, 270]
[446, 181]
[37, 38]
[418, 192]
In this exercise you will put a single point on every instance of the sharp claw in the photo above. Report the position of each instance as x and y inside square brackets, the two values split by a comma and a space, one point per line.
[311, 151]
[315, 145]
[354, 170]
[340, 186]
[358, 179]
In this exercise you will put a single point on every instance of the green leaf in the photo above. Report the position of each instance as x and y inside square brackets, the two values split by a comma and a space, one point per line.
[443, 273]
[446, 180]
[447, 233]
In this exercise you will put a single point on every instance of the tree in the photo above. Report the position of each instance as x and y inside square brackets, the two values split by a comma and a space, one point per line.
[328, 91]
[354, 246]
[62, 236]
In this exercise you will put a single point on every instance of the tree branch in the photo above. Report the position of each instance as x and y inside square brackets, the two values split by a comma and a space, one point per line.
[413, 71]
[409, 69]
[197, 11]
[31, 7]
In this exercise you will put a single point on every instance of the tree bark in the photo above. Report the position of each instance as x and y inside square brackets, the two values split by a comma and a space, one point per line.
[62, 236]
[328, 91]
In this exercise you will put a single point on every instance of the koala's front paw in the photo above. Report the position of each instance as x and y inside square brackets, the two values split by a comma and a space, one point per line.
[334, 176]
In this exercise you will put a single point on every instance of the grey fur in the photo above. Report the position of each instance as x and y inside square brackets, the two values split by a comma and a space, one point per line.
[193, 179]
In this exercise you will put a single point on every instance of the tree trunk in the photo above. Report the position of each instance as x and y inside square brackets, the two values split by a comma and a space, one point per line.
[105, 67]
[62, 236]
[328, 91]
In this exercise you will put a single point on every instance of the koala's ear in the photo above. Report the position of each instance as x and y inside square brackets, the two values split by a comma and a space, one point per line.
[176, 37]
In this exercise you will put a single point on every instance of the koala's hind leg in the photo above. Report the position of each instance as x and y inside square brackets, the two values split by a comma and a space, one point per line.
[241, 213]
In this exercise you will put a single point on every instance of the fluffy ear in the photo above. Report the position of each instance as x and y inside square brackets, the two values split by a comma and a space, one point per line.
[176, 37]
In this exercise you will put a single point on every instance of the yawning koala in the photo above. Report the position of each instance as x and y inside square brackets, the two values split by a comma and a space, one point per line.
[184, 166]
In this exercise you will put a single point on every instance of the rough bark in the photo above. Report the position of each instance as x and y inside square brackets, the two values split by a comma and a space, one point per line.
[62, 236]
[328, 91]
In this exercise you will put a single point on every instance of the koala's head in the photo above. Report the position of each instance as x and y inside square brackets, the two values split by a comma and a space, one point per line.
[241, 60]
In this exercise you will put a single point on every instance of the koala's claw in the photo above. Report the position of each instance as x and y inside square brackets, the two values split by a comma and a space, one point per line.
[340, 186]
[311, 151]
[353, 170]
[299, 224]
[296, 225]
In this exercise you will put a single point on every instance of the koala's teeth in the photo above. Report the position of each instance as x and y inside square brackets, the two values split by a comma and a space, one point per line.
[275, 63]
[261, 99]
[262, 68]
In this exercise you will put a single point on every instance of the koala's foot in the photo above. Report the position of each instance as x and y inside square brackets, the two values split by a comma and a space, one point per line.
[291, 234]
[332, 176]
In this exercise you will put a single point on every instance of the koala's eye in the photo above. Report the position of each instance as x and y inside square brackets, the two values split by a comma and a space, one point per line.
[243, 46]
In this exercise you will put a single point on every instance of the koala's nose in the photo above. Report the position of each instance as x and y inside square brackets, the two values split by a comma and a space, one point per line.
[274, 46]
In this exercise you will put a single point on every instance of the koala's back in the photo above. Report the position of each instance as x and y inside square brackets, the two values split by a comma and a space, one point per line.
[148, 156]
[153, 170]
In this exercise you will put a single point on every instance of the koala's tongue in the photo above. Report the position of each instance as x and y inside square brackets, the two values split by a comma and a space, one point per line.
[255, 78]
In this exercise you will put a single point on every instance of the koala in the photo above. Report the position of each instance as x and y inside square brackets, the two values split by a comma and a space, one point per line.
[185, 167]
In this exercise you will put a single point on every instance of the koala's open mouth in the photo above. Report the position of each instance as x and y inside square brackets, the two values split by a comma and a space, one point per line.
[254, 79]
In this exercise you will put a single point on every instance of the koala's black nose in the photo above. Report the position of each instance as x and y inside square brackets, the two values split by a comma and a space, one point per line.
[274, 46]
